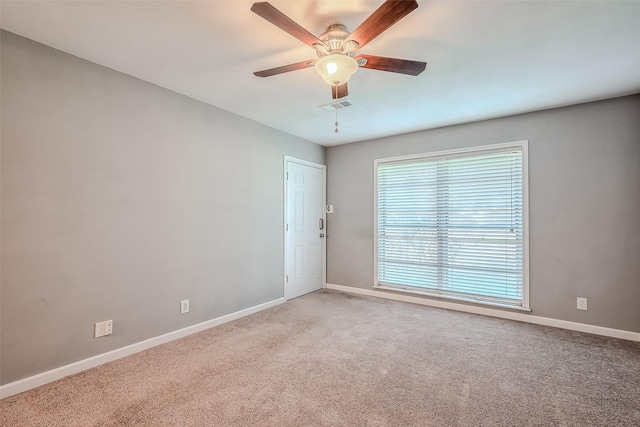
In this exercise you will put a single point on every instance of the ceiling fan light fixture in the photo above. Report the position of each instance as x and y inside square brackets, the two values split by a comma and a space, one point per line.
[336, 69]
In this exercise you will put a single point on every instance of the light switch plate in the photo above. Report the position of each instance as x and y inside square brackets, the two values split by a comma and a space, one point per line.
[99, 330]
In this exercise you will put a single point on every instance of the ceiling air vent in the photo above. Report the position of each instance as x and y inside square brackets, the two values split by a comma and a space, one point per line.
[335, 105]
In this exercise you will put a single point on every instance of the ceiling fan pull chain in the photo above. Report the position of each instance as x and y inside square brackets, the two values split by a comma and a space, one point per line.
[336, 86]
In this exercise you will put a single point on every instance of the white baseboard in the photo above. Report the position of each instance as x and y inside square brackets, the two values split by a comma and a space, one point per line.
[82, 365]
[503, 314]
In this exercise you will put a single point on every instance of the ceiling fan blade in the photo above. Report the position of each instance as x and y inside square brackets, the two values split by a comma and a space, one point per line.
[338, 92]
[385, 16]
[285, 68]
[394, 65]
[282, 21]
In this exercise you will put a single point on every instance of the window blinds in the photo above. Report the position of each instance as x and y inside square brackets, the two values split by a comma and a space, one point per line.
[452, 225]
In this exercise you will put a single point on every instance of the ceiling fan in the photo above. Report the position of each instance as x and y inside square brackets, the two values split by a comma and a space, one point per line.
[337, 48]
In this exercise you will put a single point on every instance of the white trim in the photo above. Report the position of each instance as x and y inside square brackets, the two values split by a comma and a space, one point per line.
[451, 297]
[82, 365]
[502, 314]
[304, 162]
[322, 167]
[525, 223]
[523, 145]
[487, 147]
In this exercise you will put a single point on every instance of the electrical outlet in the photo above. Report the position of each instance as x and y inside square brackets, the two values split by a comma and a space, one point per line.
[582, 303]
[184, 306]
[108, 327]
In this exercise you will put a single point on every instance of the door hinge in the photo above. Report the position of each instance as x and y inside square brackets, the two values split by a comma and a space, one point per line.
[287, 175]
[287, 276]
[287, 227]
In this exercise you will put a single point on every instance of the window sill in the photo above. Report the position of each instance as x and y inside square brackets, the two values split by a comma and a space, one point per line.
[450, 298]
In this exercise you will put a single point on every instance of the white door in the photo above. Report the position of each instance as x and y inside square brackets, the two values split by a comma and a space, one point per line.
[304, 227]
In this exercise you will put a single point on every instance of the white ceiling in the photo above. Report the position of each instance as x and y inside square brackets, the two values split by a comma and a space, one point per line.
[485, 59]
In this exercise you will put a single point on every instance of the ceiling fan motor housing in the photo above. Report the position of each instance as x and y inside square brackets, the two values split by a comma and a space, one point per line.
[333, 40]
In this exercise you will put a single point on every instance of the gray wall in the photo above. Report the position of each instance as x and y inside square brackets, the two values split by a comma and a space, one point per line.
[119, 199]
[584, 194]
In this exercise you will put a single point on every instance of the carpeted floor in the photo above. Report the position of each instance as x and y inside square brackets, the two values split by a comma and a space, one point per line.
[333, 359]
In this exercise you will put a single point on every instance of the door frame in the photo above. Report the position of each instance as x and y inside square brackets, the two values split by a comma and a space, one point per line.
[286, 161]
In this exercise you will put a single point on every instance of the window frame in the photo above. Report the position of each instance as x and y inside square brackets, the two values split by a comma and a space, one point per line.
[520, 145]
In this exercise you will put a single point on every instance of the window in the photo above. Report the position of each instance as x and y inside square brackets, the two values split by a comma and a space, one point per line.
[453, 224]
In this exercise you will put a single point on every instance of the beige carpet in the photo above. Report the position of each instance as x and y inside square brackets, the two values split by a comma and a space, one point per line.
[332, 359]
